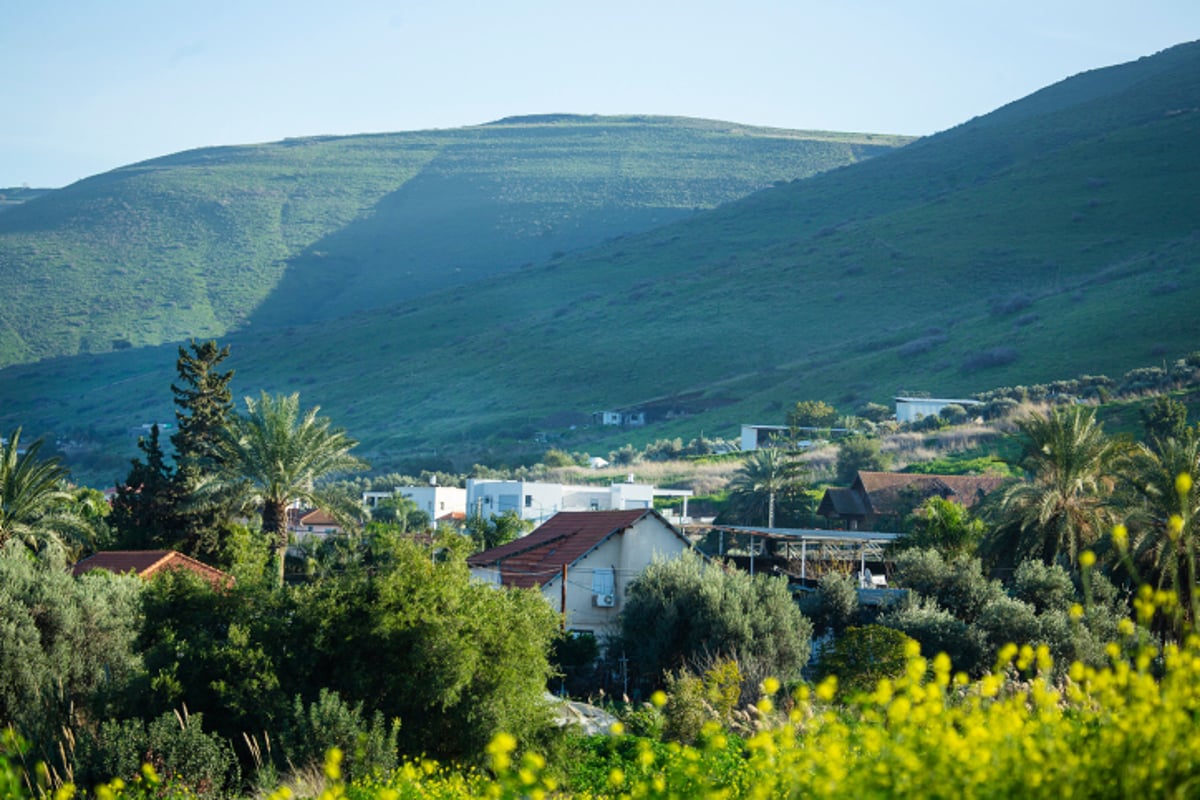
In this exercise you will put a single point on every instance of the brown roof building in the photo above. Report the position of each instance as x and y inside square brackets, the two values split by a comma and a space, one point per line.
[600, 553]
[887, 497]
[148, 563]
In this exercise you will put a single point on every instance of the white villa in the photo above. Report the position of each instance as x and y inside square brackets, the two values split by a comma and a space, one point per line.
[439, 502]
[539, 501]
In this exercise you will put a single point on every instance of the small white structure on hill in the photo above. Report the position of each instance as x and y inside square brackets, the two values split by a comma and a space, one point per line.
[911, 409]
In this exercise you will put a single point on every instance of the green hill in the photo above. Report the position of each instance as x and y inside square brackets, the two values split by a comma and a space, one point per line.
[1058, 236]
[208, 241]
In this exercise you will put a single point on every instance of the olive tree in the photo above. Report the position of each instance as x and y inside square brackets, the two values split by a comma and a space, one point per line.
[681, 614]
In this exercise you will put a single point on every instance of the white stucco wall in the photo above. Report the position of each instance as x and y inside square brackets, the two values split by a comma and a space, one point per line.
[627, 554]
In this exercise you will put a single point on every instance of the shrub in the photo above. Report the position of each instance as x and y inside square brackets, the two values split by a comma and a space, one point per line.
[681, 614]
[174, 744]
[987, 359]
[860, 657]
[957, 585]
[329, 721]
[834, 605]
[1047, 587]
[939, 631]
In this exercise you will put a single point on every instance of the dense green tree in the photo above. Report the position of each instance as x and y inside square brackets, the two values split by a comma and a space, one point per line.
[944, 525]
[403, 512]
[957, 585]
[681, 614]
[1165, 418]
[204, 405]
[146, 508]
[954, 608]
[35, 506]
[218, 652]
[493, 531]
[67, 645]
[860, 454]
[768, 478]
[1063, 507]
[454, 659]
[279, 455]
[861, 656]
[558, 458]
[834, 605]
[876, 412]
[812, 414]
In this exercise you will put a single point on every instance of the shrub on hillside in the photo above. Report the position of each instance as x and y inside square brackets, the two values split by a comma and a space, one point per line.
[987, 359]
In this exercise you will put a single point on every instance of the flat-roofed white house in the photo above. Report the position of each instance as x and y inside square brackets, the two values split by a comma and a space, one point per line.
[439, 502]
[537, 501]
[599, 552]
[911, 409]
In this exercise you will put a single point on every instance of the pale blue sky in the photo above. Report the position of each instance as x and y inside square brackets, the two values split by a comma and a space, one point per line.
[89, 85]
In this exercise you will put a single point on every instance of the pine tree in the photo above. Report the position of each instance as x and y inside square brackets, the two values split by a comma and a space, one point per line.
[145, 509]
[204, 407]
[204, 404]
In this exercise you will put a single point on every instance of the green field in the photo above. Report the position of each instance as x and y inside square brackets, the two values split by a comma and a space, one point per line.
[1056, 237]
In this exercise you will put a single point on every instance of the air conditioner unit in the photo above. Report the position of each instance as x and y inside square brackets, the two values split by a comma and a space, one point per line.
[604, 600]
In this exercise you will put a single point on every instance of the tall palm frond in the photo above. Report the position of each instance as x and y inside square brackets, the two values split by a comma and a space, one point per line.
[1163, 554]
[35, 506]
[1062, 507]
[763, 479]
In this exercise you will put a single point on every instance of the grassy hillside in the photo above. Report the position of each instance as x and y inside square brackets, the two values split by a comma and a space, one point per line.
[208, 241]
[1033, 244]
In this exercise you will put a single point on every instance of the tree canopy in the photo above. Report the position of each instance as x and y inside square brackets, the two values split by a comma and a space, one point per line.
[685, 612]
[278, 455]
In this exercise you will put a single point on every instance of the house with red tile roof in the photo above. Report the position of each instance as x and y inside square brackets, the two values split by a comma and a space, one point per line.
[583, 561]
[311, 522]
[887, 497]
[148, 563]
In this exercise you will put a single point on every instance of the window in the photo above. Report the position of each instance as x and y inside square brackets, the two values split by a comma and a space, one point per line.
[602, 581]
[529, 501]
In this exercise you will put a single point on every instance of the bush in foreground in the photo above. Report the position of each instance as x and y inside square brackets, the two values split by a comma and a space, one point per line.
[1127, 728]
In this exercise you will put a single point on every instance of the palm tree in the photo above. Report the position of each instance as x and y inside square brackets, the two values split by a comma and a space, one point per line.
[34, 503]
[1062, 506]
[279, 455]
[766, 476]
[1164, 522]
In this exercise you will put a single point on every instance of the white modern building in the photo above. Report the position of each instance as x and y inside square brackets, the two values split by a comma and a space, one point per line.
[436, 501]
[538, 502]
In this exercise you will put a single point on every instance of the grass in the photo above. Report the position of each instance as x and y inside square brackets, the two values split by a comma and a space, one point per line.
[207, 241]
[1043, 242]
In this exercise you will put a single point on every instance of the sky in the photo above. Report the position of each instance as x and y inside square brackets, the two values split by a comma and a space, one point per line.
[90, 85]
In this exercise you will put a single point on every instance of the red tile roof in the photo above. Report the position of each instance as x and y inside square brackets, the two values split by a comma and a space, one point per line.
[563, 539]
[320, 517]
[145, 563]
[883, 490]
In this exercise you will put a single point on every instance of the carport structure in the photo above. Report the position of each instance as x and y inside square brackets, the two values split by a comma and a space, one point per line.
[814, 545]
